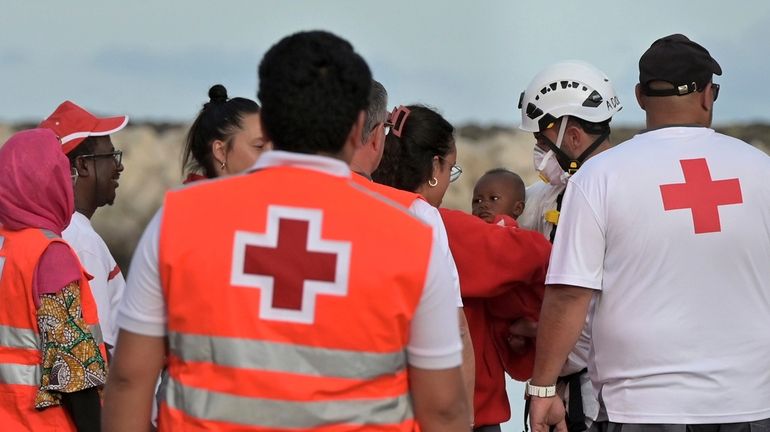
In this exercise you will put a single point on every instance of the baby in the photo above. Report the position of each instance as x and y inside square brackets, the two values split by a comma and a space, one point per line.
[498, 192]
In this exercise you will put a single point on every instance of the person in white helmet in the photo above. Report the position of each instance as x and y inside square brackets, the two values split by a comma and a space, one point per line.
[568, 107]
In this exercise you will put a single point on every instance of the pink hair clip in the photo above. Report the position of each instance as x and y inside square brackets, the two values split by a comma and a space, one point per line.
[397, 119]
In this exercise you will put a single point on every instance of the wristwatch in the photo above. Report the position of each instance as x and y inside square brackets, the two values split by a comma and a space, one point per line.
[539, 391]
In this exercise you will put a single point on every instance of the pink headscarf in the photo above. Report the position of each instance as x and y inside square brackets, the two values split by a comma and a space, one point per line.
[35, 183]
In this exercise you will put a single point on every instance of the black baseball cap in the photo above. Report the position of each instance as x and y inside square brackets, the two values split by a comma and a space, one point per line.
[679, 61]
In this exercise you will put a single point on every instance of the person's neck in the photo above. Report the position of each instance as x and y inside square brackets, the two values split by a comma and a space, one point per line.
[84, 208]
[663, 120]
[339, 156]
[606, 144]
[424, 192]
[357, 167]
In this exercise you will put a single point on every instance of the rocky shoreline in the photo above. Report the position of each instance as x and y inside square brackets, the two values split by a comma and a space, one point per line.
[152, 159]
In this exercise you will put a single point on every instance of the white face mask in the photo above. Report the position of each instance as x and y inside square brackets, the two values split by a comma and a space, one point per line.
[548, 167]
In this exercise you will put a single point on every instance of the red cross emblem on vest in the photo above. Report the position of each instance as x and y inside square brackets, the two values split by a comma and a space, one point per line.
[291, 264]
[701, 195]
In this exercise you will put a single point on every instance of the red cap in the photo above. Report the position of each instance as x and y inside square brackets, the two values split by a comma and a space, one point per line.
[72, 124]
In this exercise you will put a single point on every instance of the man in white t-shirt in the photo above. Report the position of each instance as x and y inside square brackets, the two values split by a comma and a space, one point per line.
[96, 169]
[570, 120]
[672, 230]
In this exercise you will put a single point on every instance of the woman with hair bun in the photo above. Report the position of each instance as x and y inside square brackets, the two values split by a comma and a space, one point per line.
[226, 137]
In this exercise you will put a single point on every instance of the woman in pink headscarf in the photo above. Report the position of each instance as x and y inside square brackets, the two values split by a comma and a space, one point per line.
[51, 361]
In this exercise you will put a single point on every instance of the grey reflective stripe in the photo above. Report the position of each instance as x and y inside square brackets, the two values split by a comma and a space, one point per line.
[279, 357]
[2, 258]
[20, 374]
[49, 234]
[14, 337]
[269, 413]
[96, 331]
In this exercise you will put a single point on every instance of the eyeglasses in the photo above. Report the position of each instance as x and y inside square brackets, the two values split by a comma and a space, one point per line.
[116, 155]
[454, 172]
[386, 125]
[715, 90]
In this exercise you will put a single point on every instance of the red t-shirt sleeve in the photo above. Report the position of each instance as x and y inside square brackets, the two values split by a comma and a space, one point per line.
[57, 268]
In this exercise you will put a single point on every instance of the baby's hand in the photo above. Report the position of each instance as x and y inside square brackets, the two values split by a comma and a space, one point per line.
[518, 333]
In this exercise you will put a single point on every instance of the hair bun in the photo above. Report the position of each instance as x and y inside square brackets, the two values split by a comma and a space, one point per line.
[218, 94]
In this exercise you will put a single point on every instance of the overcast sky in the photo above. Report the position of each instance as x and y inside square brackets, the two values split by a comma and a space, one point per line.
[156, 59]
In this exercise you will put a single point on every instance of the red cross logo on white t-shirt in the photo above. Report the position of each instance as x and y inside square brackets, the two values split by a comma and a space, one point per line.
[701, 195]
[291, 264]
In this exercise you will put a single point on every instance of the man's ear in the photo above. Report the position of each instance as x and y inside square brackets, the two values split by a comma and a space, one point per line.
[639, 96]
[353, 142]
[707, 97]
[358, 129]
[82, 166]
[377, 138]
[573, 136]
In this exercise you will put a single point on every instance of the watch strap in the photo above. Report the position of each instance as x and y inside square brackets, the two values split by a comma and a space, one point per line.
[540, 391]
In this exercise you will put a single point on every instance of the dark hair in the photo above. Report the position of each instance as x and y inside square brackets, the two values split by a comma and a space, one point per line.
[407, 161]
[588, 127]
[312, 86]
[516, 182]
[592, 128]
[377, 110]
[86, 147]
[219, 119]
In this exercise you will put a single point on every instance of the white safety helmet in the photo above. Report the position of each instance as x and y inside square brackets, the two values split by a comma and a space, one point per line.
[573, 88]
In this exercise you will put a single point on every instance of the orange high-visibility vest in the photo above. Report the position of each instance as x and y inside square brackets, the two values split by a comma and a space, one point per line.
[20, 343]
[290, 295]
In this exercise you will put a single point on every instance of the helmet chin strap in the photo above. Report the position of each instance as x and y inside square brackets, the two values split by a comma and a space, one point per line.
[568, 164]
[561, 157]
[562, 128]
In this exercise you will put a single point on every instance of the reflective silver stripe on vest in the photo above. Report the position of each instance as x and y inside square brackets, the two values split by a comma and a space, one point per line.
[96, 331]
[279, 357]
[215, 406]
[2, 258]
[20, 374]
[15, 337]
[49, 234]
